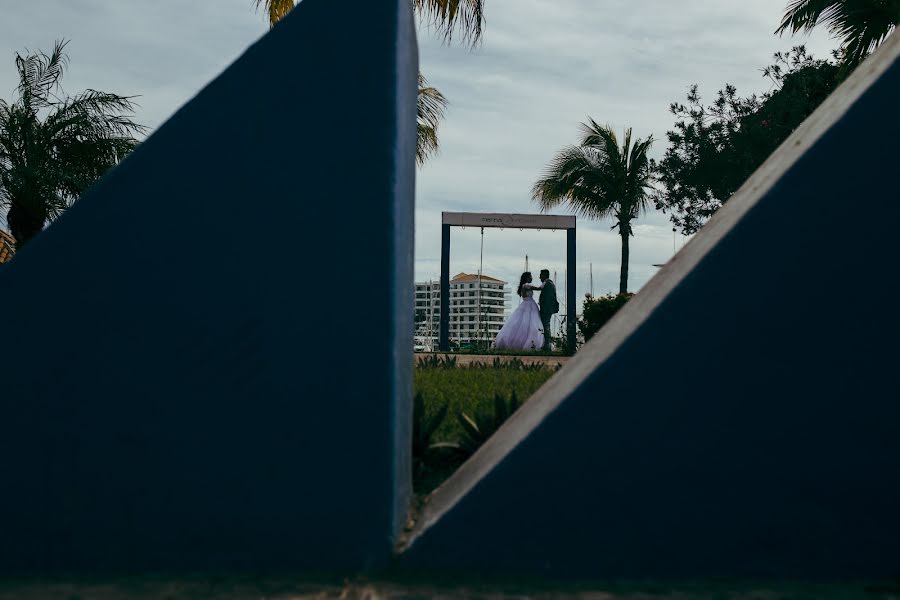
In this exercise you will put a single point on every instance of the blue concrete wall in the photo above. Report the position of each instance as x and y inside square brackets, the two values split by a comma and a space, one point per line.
[747, 427]
[178, 389]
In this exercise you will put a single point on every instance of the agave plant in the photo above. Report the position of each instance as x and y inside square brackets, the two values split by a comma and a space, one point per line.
[510, 363]
[424, 427]
[433, 361]
[477, 430]
[432, 461]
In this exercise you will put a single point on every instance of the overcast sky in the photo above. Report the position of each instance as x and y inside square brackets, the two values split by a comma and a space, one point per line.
[542, 68]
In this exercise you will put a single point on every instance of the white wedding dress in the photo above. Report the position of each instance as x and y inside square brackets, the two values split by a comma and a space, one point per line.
[524, 329]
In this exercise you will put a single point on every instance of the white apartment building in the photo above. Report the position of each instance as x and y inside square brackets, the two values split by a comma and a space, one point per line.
[477, 312]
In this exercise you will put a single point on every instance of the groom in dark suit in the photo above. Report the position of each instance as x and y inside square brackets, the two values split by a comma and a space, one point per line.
[548, 305]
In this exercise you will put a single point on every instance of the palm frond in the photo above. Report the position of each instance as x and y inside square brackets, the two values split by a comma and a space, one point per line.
[640, 178]
[573, 178]
[454, 17]
[803, 15]
[860, 25]
[39, 74]
[93, 114]
[604, 141]
[5, 114]
[52, 149]
[599, 178]
[594, 134]
[275, 9]
[51, 67]
[430, 108]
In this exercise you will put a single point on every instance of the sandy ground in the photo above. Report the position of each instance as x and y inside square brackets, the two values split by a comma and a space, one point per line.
[259, 588]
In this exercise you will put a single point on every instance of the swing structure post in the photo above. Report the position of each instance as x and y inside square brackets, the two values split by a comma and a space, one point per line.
[503, 220]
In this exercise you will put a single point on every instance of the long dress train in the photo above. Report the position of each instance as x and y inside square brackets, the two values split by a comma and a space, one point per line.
[524, 329]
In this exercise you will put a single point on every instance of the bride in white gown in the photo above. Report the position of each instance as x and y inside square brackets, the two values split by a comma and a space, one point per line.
[523, 330]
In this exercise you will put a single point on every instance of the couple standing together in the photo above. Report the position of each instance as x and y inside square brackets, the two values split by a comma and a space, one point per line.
[528, 327]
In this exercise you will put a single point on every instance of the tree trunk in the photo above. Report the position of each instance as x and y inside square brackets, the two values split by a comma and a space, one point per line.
[625, 232]
[23, 224]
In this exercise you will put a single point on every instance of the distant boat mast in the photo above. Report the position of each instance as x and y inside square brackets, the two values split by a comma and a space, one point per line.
[592, 279]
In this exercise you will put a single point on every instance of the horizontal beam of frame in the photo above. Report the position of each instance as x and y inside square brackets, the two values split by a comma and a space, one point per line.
[509, 220]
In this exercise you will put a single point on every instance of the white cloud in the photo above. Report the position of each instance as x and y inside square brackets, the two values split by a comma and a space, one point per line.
[543, 67]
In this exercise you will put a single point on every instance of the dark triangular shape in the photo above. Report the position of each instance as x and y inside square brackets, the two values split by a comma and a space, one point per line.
[179, 388]
[740, 415]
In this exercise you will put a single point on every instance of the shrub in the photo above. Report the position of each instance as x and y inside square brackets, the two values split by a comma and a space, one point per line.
[434, 361]
[599, 310]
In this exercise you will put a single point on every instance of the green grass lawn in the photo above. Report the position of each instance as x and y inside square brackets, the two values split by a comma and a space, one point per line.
[472, 389]
[468, 390]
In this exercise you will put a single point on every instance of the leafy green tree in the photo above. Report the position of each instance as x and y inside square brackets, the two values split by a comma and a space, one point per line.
[449, 18]
[599, 179]
[52, 146]
[860, 25]
[714, 149]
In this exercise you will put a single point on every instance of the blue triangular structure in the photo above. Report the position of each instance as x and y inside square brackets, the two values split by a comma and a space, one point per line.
[180, 388]
[740, 416]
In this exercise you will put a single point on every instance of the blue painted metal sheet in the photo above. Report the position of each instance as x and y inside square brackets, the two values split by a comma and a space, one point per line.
[179, 389]
[744, 422]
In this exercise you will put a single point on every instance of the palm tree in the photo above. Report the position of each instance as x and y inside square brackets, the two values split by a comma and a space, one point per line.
[599, 179]
[449, 17]
[861, 25]
[53, 147]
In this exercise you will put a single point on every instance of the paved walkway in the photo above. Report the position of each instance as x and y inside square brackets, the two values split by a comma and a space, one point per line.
[467, 359]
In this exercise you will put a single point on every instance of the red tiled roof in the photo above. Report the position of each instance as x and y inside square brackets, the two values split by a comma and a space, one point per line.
[7, 247]
[469, 277]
